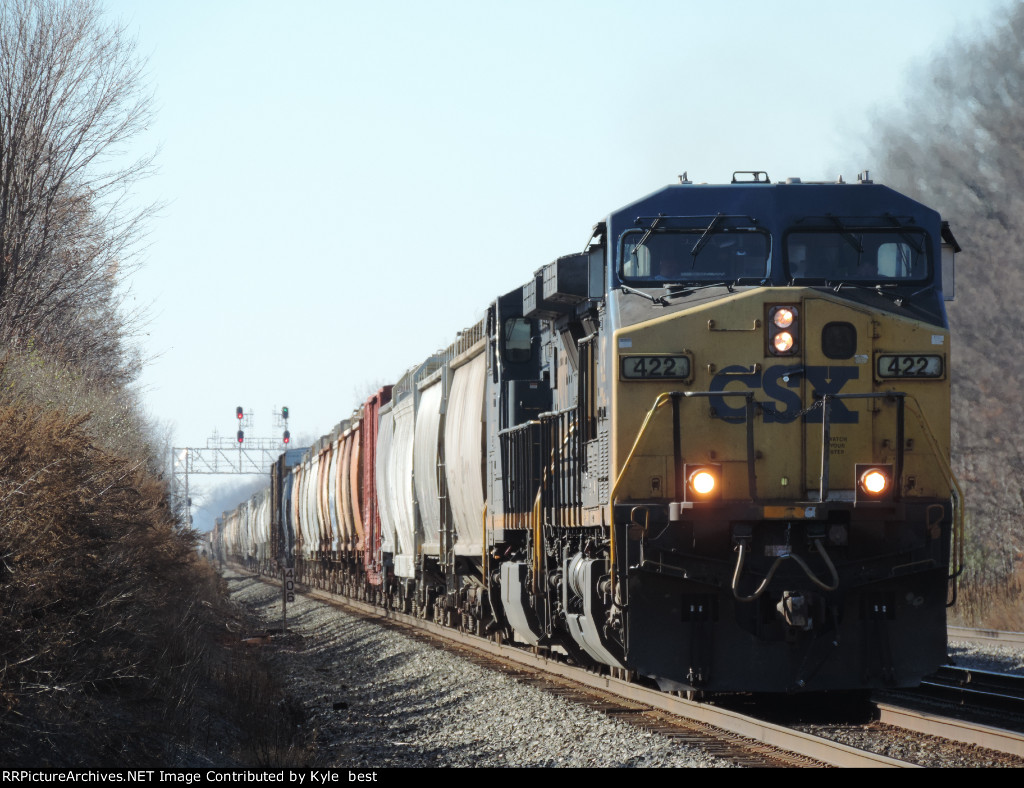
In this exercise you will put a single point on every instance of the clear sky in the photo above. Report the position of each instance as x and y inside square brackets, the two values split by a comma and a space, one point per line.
[348, 184]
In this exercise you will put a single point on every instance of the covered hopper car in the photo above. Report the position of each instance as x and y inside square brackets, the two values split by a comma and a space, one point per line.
[711, 449]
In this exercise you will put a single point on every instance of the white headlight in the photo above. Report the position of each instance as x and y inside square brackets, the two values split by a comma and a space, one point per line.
[703, 482]
[874, 482]
[783, 317]
[782, 342]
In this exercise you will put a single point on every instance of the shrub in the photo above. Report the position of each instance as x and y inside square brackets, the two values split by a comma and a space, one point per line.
[113, 625]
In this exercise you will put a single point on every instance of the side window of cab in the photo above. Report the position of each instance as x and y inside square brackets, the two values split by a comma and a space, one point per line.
[516, 340]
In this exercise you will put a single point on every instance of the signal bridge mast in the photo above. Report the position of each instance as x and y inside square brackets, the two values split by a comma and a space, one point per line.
[241, 456]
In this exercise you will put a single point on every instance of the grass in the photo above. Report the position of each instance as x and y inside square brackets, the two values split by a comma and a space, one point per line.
[991, 602]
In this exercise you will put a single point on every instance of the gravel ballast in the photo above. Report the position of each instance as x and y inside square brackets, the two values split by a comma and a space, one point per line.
[990, 657]
[374, 698]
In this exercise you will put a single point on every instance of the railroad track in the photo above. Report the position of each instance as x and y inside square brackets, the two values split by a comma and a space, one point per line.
[742, 739]
[986, 636]
[979, 689]
[977, 707]
[726, 733]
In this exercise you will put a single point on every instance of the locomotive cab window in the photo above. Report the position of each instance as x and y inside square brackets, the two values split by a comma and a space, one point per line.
[875, 257]
[516, 341]
[693, 255]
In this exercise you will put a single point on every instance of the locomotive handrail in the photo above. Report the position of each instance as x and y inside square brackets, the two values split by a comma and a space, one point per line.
[956, 494]
[518, 427]
[826, 407]
[957, 548]
[548, 470]
[659, 401]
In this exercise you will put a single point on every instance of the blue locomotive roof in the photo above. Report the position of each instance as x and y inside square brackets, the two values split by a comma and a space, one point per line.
[766, 201]
[775, 208]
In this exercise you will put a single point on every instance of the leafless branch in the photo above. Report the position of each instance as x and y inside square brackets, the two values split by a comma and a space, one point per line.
[73, 99]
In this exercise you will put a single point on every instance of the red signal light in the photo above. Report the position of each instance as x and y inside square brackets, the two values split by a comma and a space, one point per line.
[241, 436]
[239, 413]
[287, 436]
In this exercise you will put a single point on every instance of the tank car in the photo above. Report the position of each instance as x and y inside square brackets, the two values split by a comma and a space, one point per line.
[711, 449]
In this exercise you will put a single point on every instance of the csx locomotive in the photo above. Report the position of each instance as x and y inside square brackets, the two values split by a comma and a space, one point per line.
[711, 449]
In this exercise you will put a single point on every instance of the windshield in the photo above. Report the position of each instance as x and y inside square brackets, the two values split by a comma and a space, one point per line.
[853, 255]
[695, 255]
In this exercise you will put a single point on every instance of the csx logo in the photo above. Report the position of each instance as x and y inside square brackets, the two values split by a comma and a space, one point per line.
[785, 393]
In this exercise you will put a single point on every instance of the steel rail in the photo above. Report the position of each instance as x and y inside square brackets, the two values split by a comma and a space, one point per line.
[972, 691]
[807, 745]
[999, 637]
[1005, 687]
[929, 724]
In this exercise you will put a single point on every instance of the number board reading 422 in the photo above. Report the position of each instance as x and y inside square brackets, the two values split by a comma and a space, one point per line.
[909, 366]
[655, 367]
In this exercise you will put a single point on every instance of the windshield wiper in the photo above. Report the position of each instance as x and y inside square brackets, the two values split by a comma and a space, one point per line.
[896, 299]
[647, 234]
[656, 299]
[689, 289]
[848, 236]
[901, 229]
[703, 240]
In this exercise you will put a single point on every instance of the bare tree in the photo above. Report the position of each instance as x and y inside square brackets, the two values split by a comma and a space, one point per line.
[72, 96]
[957, 145]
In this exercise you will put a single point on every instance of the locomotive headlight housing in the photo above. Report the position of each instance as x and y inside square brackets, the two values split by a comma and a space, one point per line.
[874, 482]
[783, 330]
[782, 342]
[703, 482]
[783, 317]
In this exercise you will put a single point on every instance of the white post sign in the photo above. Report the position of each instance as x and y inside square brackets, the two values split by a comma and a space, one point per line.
[288, 595]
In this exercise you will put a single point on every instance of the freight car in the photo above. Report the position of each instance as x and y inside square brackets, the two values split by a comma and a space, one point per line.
[711, 449]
